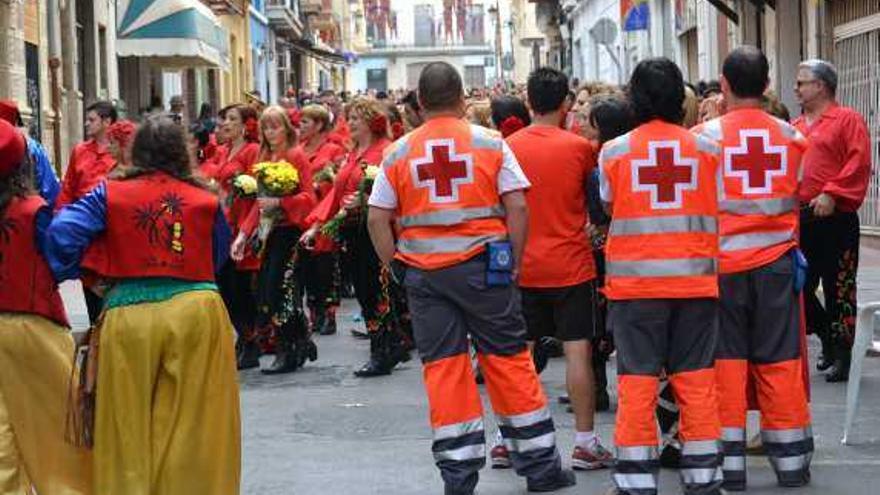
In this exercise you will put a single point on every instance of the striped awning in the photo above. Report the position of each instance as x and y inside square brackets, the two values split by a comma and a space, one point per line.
[185, 32]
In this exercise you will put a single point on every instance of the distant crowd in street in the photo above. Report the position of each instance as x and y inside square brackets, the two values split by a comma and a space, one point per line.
[683, 228]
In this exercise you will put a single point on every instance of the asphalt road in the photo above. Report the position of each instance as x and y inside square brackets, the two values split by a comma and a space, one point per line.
[322, 431]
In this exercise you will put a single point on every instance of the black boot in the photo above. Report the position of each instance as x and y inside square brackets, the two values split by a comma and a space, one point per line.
[328, 322]
[826, 359]
[379, 363]
[248, 354]
[839, 371]
[603, 402]
[305, 350]
[285, 355]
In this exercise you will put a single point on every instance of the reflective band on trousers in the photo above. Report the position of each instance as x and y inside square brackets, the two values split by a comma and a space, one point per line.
[465, 453]
[701, 476]
[700, 447]
[440, 245]
[664, 225]
[786, 436]
[734, 463]
[754, 240]
[793, 463]
[525, 419]
[451, 217]
[637, 453]
[662, 268]
[545, 441]
[733, 434]
[635, 481]
[458, 429]
[775, 206]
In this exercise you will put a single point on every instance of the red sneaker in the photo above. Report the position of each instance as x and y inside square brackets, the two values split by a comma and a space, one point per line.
[500, 457]
[595, 457]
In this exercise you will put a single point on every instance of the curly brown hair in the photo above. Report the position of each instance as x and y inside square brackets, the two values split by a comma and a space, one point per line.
[160, 146]
[367, 110]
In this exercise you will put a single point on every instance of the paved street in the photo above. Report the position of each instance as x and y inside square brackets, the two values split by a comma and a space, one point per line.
[322, 431]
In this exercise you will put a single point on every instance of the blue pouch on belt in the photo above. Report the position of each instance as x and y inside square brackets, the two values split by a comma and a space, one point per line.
[800, 269]
[500, 264]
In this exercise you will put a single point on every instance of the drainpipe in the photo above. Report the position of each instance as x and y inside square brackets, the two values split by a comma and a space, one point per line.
[53, 10]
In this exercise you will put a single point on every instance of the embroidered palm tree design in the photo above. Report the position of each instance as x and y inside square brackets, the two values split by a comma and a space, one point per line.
[163, 221]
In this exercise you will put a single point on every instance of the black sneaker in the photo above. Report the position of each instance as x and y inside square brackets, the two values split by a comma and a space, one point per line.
[563, 479]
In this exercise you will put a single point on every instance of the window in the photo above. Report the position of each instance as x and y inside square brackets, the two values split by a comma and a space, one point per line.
[81, 46]
[105, 59]
[424, 25]
[377, 79]
[474, 76]
[474, 32]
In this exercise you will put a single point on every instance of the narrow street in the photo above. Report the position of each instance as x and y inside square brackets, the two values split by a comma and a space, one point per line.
[323, 431]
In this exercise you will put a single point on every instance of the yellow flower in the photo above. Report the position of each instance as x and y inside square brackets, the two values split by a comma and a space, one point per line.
[371, 172]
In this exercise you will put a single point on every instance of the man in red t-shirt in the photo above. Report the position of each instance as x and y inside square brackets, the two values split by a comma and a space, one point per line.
[89, 164]
[837, 168]
[558, 278]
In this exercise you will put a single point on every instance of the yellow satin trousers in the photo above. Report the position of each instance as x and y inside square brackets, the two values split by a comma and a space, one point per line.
[167, 415]
[36, 358]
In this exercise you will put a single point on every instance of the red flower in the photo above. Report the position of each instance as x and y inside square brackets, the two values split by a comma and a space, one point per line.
[252, 130]
[379, 124]
[510, 125]
[397, 130]
[295, 117]
[121, 132]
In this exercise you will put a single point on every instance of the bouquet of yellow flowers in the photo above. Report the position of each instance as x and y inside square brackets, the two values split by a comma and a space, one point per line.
[274, 180]
[358, 205]
[244, 186]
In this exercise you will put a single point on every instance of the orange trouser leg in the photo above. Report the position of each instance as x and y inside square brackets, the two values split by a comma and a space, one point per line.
[635, 435]
[732, 381]
[521, 410]
[700, 430]
[457, 420]
[785, 419]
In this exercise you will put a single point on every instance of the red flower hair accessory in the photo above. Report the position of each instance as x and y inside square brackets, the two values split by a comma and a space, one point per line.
[252, 130]
[510, 125]
[397, 130]
[379, 124]
[121, 132]
[295, 117]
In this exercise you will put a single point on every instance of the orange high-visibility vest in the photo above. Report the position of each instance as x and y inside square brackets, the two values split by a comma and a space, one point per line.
[761, 170]
[663, 240]
[445, 174]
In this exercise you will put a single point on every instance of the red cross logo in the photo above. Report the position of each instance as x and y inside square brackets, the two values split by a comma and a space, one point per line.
[755, 161]
[442, 170]
[665, 174]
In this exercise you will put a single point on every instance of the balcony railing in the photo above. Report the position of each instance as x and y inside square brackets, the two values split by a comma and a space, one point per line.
[227, 7]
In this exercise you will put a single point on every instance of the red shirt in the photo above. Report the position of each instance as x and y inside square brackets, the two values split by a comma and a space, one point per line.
[838, 157]
[558, 164]
[326, 153]
[347, 181]
[89, 165]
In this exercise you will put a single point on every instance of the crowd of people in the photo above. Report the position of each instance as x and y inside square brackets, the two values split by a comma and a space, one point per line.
[681, 227]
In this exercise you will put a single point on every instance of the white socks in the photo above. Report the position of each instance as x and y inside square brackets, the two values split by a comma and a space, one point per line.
[585, 439]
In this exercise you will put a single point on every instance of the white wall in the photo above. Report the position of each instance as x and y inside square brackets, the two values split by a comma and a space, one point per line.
[593, 62]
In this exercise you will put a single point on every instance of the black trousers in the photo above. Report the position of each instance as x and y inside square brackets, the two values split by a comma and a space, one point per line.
[237, 289]
[94, 305]
[365, 271]
[831, 246]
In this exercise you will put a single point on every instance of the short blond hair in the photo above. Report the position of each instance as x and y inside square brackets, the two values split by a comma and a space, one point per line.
[276, 113]
[318, 113]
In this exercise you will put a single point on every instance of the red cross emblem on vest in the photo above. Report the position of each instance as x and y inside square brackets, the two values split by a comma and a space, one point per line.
[442, 170]
[755, 161]
[665, 174]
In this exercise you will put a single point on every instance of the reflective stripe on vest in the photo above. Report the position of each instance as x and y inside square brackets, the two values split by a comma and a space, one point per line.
[442, 245]
[616, 148]
[707, 145]
[665, 225]
[754, 240]
[682, 267]
[452, 217]
[774, 206]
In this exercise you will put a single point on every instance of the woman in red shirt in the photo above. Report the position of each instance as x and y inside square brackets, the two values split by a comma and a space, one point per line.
[369, 131]
[320, 267]
[279, 297]
[236, 280]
